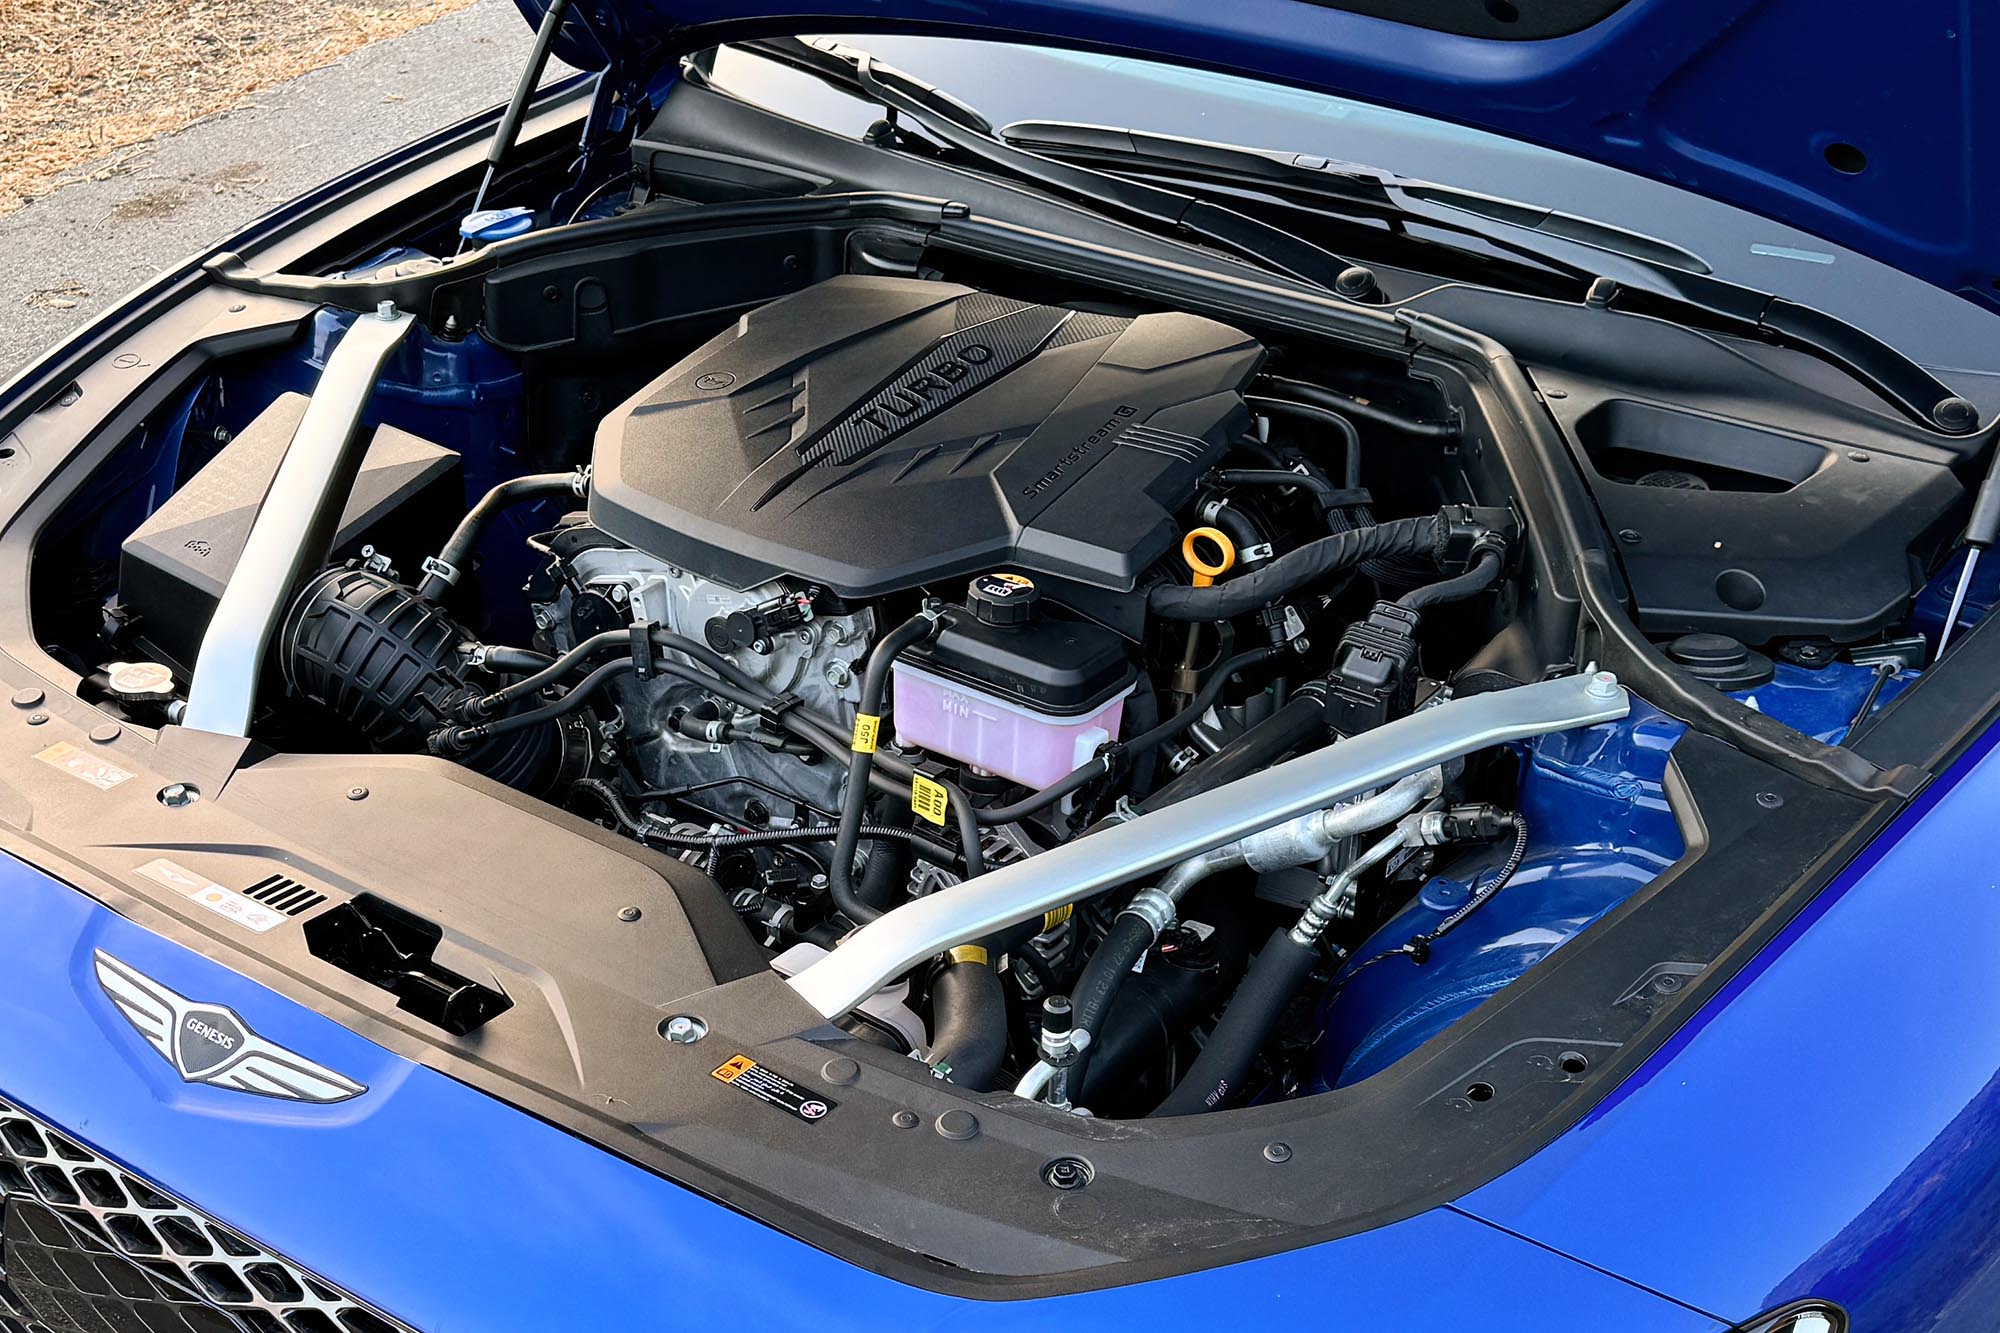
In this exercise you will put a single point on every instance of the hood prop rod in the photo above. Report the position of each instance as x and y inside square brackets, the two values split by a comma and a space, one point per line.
[509, 128]
[1981, 531]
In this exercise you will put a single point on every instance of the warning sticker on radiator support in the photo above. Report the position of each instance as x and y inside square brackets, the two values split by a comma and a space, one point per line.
[740, 1071]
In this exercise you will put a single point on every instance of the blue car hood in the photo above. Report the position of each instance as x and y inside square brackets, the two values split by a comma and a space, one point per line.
[1846, 118]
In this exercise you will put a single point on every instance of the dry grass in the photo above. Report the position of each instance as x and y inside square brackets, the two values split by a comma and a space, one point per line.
[90, 81]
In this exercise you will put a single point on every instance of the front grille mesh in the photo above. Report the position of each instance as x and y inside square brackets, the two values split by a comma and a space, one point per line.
[87, 1247]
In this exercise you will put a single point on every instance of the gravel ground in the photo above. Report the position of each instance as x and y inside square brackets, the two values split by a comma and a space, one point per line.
[71, 253]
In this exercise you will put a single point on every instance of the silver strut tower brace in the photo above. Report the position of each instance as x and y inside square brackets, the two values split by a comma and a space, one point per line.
[893, 943]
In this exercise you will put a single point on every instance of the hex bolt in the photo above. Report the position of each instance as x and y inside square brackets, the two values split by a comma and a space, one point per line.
[1603, 685]
[684, 1029]
[628, 913]
[1067, 1173]
[179, 795]
[839, 674]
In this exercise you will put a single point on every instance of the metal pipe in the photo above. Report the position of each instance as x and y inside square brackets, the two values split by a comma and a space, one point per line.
[896, 941]
[293, 528]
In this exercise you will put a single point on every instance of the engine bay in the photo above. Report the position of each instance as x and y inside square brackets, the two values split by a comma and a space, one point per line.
[1156, 732]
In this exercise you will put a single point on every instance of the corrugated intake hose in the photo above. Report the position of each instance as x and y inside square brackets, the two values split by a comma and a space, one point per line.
[1294, 570]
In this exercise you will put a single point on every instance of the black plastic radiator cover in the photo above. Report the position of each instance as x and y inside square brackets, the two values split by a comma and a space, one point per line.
[871, 434]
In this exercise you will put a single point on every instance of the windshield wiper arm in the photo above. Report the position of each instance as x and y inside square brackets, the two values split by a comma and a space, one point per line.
[1692, 295]
[960, 127]
[1381, 193]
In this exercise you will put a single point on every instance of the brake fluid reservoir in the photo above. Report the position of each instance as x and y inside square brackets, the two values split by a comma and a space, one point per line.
[1011, 690]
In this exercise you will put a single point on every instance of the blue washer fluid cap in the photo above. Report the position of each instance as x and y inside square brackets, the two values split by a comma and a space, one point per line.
[496, 224]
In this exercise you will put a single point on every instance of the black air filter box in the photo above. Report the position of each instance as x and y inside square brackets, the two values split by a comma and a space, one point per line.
[171, 571]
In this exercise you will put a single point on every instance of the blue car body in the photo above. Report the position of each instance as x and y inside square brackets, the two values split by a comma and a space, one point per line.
[1821, 1130]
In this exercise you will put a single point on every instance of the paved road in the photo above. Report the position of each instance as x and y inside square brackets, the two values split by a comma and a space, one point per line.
[91, 242]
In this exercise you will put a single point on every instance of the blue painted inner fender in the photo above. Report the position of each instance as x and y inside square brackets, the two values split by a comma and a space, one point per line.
[1600, 829]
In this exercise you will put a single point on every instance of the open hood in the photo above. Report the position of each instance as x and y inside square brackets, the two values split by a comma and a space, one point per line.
[1845, 119]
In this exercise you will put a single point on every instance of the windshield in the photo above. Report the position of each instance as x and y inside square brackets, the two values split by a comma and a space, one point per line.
[1951, 337]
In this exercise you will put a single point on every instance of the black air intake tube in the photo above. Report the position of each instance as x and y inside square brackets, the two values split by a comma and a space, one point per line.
[385, 661]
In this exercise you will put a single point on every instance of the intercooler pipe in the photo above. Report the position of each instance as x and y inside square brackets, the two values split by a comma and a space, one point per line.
[1295, 842]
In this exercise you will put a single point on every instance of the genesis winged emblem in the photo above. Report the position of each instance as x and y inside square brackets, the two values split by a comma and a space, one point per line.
[206, 1043]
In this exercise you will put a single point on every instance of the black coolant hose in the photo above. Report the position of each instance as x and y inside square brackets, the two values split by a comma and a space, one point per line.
[1217, 1074]
[1293, 570]
[1131, 935]
[441, 573]
[1360, 409]
[969, 1019]
[1325, 493]
[861, 762]
[647, 830]
[1324, 415]
[1300, 724]
[1485, 569]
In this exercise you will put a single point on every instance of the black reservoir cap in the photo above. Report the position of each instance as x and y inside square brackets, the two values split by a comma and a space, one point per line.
[1003, 600]
[1064, 668]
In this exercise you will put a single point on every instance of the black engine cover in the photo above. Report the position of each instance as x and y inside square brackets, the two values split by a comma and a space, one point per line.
[872, 434]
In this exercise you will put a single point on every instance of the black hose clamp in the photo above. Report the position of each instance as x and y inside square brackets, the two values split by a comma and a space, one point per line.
[642, 649]
[773, 710]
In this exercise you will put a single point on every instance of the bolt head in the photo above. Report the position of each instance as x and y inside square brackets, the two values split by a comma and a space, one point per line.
[385, 310]
[179, 795]
[684, 1029]
[1603, 685]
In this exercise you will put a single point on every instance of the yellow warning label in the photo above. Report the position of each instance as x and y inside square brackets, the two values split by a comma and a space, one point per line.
[867, 730]
[969, 953]
[1056, 916]
[735, 1067]
[929, 799]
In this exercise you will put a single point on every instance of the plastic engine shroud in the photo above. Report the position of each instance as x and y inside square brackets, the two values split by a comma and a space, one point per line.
[870, 434]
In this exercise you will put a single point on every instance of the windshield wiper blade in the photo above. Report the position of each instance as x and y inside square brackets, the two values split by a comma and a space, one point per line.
[1690, 293]
[960, 127]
